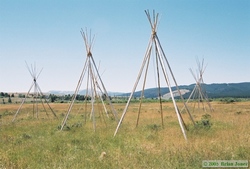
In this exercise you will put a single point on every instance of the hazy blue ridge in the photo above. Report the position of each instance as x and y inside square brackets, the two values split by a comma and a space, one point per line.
[215, 90]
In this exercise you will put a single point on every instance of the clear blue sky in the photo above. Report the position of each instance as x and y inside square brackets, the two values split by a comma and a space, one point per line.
[48, 33]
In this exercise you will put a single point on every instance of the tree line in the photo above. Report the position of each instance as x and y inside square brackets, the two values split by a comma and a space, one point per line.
[4, 95]
[68, 97]
[51, 97]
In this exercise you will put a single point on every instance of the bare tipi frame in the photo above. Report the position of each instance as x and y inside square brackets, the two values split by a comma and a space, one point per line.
[37, 94]
[162, 64]
[199, 92]
[94, 81]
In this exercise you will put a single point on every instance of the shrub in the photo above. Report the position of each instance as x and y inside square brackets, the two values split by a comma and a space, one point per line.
[204, 122]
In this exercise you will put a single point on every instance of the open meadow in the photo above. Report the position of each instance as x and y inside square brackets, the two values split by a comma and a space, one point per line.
[28, 142]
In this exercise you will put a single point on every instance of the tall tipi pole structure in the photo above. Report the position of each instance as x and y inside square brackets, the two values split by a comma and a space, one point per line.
[37, 94]
[95, 86]
[199, 92]
[162, 64]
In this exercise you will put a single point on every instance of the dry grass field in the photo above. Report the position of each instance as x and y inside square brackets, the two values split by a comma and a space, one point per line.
[38, 143]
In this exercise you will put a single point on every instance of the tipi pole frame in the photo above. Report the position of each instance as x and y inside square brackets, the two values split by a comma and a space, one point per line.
[91, 69]
[38, 94]
[159, 51]
[198, 92]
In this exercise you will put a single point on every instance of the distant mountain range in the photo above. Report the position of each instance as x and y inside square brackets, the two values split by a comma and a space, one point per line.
[216, 90]
[81, 92]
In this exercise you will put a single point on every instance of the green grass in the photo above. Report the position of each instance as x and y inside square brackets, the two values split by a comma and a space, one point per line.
[37, 143]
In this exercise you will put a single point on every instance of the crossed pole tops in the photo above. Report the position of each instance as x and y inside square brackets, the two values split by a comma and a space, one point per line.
[153, 23]
[88, 41]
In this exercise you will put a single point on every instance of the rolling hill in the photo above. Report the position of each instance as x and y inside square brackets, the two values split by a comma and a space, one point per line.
[216, 90]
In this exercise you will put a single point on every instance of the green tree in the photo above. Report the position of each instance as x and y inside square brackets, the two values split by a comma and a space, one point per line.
[67, 97]
[104, 97]
[9, 100]
[52, 98]
[21, 95]
[80, 97]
